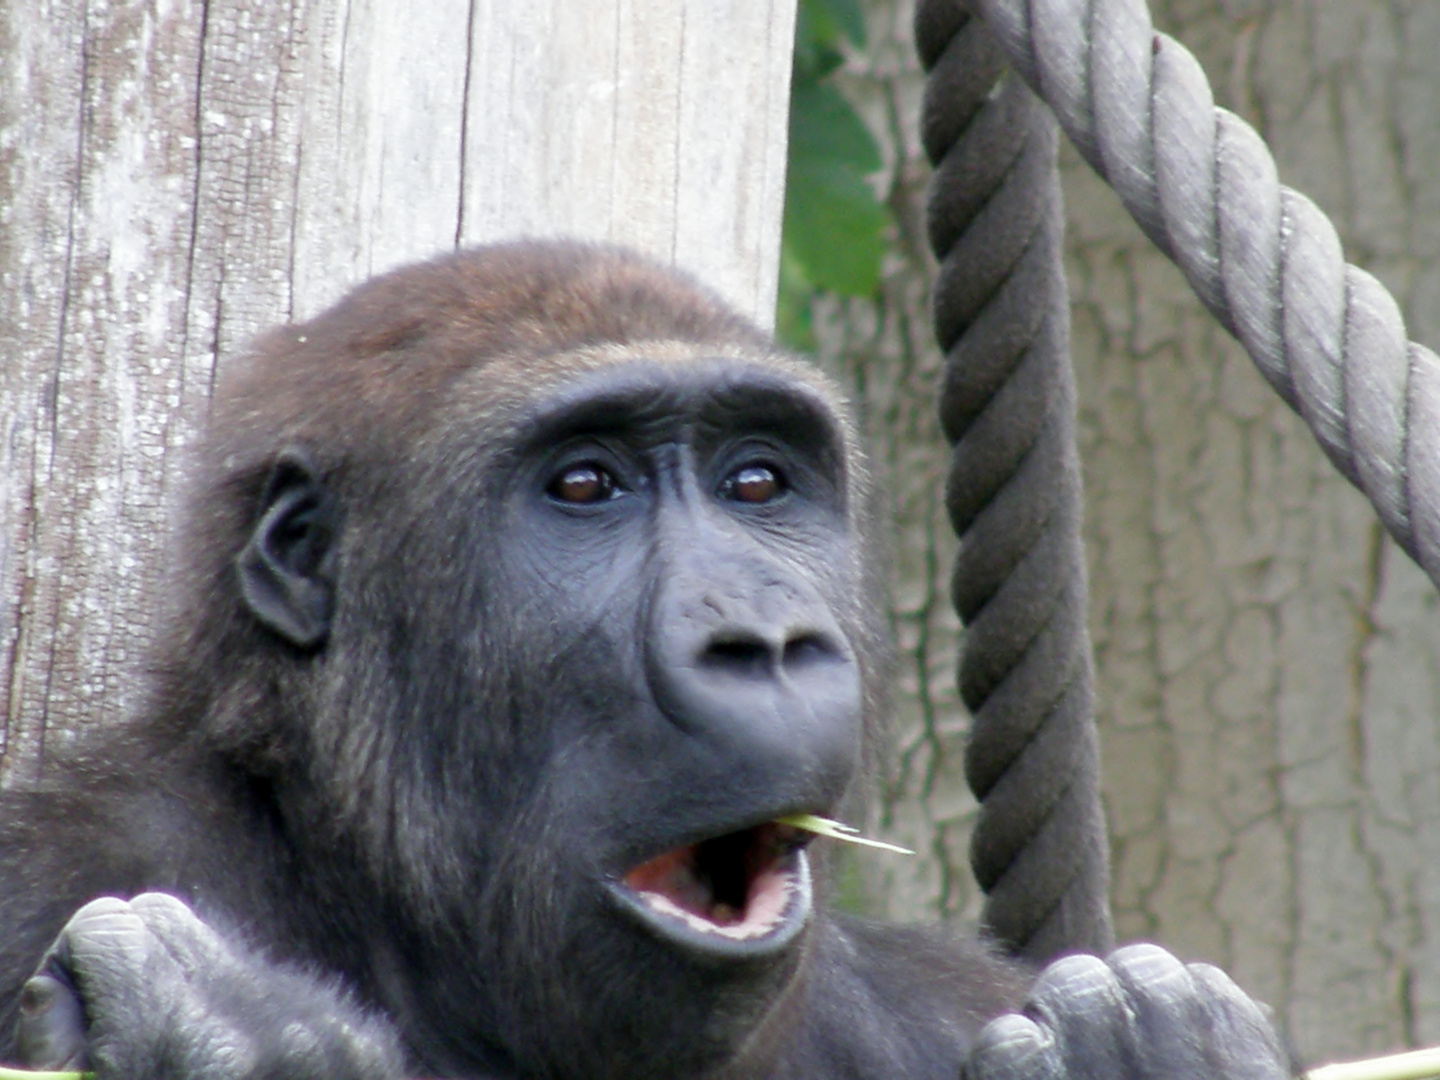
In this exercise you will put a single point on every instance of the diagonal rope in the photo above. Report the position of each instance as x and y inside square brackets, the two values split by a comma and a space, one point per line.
[1262, 257]
[1039, 847]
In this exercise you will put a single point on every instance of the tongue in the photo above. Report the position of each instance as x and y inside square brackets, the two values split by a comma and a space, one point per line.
[738, 885]
[672, 877]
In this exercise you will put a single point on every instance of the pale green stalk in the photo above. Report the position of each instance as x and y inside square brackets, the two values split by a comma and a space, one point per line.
[1411, 1065]
[836, 830]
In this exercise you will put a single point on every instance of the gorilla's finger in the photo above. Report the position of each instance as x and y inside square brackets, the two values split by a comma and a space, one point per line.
[187, 941]
[1168, 1008]
[1014, 1048]
[104, 946]
[1083, 1004]
[50, 1034]
[1242, 1041]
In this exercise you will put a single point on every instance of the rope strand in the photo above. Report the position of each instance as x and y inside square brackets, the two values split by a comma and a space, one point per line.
[1039, 847]
[1263, 258]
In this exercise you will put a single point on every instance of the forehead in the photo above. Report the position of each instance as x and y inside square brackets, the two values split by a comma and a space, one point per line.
[655, 383]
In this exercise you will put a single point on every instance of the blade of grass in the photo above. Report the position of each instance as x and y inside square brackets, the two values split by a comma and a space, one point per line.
[836, 830]
[1411, 1065]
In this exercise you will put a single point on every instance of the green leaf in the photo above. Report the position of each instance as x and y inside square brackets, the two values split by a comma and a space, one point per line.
[794, 320]
[834, 227]
[813, 58]
[824, 125]
[834, 230]
[819, 27]
[827, 21]
[847, 16]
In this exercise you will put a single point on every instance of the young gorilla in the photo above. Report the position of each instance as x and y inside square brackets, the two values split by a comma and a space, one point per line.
[519, 596]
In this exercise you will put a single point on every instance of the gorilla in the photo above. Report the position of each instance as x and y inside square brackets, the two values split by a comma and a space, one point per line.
[515, 601]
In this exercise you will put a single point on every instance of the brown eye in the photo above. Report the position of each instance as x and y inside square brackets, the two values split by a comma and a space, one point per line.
[582, 484]
[753, 484]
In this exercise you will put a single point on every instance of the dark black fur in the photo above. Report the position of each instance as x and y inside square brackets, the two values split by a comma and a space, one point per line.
[416, 709]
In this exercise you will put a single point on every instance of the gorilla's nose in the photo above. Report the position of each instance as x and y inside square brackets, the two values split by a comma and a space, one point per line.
[758, 669]
[747, 653]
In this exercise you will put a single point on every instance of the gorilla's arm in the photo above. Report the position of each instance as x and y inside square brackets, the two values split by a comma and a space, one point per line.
[161, 994]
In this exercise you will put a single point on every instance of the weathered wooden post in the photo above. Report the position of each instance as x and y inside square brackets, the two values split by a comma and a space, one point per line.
[177, 175]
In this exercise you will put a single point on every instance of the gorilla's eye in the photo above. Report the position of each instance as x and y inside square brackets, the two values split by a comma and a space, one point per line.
[753, 484]
[583, 484]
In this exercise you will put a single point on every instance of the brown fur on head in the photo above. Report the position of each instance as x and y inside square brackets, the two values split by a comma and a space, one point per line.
[393, 346]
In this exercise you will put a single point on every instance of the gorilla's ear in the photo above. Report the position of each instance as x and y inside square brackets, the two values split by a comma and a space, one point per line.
[287, 567]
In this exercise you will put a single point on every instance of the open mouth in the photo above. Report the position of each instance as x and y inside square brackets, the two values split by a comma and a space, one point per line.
[746, 886]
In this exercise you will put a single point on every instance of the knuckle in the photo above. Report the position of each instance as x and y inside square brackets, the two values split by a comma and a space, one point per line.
[105, 925]
[1143, 958]
[1013, 1047]
[1217, 982]
[168, 917]
[99, 911]
[1082, 983]
[1153, 977]
[159, 903]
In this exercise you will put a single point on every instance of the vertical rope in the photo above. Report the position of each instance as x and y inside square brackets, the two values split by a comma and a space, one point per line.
[1039, 848]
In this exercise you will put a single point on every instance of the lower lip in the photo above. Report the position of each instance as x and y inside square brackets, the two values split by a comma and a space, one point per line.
[773, 918]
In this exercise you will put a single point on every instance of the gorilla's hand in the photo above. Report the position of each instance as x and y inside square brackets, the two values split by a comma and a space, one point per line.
[1140, 1015]
[145, 989]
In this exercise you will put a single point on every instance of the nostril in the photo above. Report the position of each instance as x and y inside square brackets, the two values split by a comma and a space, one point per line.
[747, 656]
[806, 649]
[752, 656]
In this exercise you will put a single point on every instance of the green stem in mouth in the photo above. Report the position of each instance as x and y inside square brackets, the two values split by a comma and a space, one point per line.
[837, 830]
[1411, 1065]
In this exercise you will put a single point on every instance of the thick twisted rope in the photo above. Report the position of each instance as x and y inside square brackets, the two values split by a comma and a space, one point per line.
[1039, 847]
[1263, 258]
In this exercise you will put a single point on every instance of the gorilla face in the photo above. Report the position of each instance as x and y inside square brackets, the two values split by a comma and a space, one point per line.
[675, 532]
[679, 529]
[612, 635]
